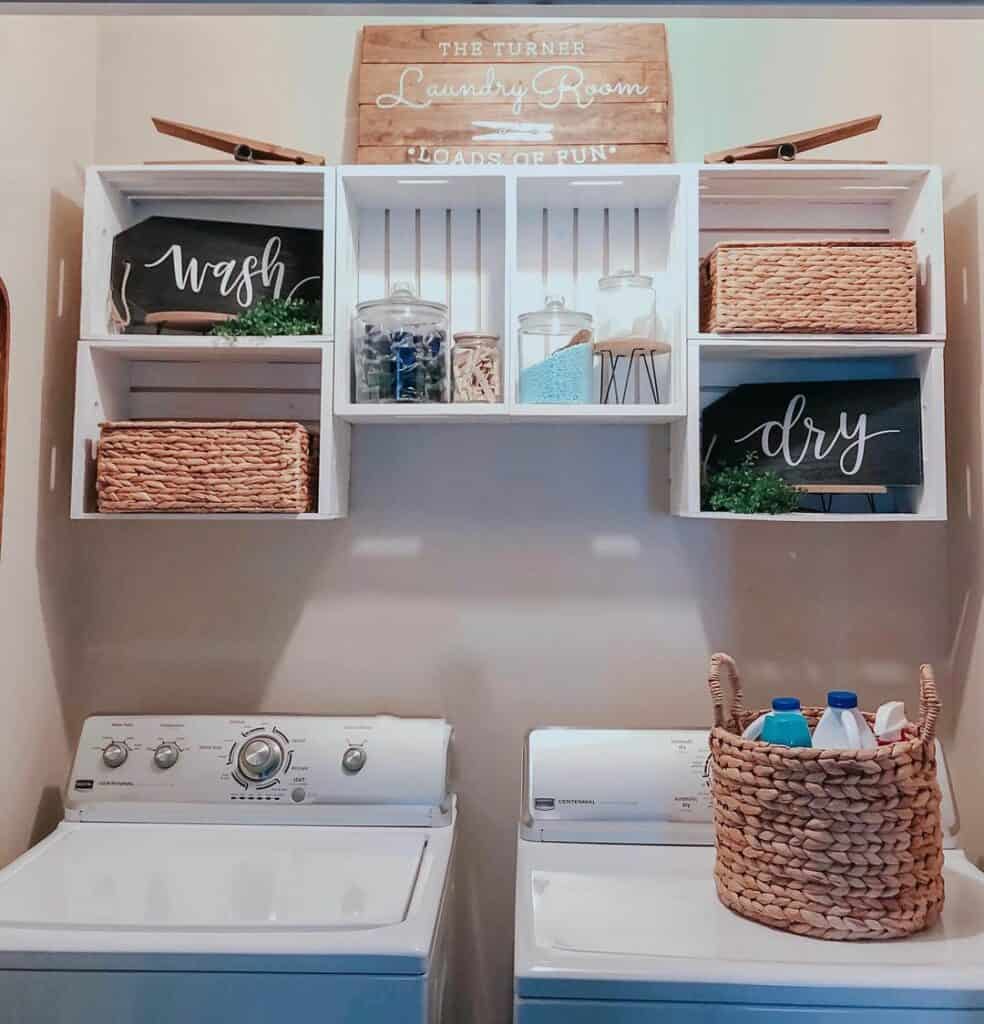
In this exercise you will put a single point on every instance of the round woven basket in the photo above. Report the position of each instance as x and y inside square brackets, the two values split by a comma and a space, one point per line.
[834, 844]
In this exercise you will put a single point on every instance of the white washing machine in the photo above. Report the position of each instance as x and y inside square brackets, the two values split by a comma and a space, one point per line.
[617, 921]
[214, 869]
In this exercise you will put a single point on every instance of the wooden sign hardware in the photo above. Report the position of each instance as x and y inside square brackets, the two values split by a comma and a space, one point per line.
[241, 147]
[520, 94]
[788, 147]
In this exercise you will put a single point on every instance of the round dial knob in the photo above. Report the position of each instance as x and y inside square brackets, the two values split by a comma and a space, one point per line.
[353, 760]
[260, 758]
[166, 756]
[114, 754]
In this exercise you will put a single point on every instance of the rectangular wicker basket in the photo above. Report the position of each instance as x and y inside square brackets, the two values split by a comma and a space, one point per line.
[222, 466]
[810, 287]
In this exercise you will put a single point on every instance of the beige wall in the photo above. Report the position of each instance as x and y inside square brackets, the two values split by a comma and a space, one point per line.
[957, 85]
[47, 94]
[514, 576]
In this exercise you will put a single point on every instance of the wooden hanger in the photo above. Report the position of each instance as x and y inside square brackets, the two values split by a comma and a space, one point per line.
[787, 147]
[241, 147]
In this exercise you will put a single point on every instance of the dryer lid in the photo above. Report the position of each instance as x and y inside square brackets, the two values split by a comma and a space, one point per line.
[226, 878]
[590, 914]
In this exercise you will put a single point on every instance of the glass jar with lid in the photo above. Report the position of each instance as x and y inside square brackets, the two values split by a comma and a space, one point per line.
[475, 367]
[627, 308]
[400, 349]
[556, 357]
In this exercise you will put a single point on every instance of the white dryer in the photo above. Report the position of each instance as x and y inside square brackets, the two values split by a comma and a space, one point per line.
[214, 869]
[617, 920]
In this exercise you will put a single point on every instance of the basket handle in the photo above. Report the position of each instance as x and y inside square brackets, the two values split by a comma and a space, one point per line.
[726, 662]
[929, 703]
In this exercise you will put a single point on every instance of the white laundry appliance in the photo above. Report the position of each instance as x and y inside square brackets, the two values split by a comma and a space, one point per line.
[218, 869]
[617, 920]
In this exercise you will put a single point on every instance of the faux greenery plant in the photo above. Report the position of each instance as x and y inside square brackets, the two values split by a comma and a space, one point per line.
[273, 317]
[746, 490]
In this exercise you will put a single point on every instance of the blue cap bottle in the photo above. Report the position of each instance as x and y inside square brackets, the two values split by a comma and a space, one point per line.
[786, 725]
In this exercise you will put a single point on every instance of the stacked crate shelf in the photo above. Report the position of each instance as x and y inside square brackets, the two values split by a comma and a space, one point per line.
[447, 235]
[786, 202]
[491, 243]
[144, 376]
[575, 227]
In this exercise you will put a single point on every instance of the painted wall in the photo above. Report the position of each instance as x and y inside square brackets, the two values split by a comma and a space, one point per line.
[956, 51]
[502, 577]
[45, 143]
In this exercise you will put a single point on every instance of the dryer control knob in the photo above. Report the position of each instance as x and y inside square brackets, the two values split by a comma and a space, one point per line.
[353, 760]
[166, 756]
[260, 758]
[114, 755]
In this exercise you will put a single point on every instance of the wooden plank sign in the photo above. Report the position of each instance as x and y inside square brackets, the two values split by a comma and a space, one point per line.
[524, 94]
[857, 432]
[178, 270]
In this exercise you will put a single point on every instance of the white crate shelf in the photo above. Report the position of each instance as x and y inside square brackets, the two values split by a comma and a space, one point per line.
[119, 197]
[716, 366]
[207, 378]
[492, 243]
[846, 202]
[575, 227]
[444, 234]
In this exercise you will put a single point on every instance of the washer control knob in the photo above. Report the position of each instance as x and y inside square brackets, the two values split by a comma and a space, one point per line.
[166, 756]
[114, 754]
[353, 760]
[261, 758]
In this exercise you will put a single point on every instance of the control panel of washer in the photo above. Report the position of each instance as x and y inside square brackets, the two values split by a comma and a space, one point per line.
[199, 767]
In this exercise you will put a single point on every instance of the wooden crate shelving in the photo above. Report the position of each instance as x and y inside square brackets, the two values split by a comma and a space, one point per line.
[575, 226]
[796, 202]
[119, 197]
[491, 242]
[716, 366]
[208, 378]
[445, 233]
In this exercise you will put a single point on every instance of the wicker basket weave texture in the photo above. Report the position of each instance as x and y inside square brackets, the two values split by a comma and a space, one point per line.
[810, 287]
[833, 844]
[221, 466]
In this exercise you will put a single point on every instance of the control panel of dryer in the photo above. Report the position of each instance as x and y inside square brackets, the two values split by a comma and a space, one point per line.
[299, 768]
[610, 783]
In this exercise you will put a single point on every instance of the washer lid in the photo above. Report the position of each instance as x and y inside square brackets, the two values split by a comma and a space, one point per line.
[591, 914]
[224, 878]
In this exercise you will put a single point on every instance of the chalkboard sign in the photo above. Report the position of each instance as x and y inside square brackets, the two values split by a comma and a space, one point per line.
[166, 265]
[821, 432]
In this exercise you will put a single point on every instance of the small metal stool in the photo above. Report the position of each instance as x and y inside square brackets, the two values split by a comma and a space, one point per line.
[616, 350]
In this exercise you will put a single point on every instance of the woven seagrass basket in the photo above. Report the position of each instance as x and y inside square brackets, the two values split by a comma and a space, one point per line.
[812, 287]
[221, 466]
[834, 844]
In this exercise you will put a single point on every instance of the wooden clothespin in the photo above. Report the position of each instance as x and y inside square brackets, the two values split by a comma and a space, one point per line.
[787, 147]
[241, 147]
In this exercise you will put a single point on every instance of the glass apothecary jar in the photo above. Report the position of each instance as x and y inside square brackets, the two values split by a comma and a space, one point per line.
[556, 357]
[400, 349]
[475, 368]
[627, 309]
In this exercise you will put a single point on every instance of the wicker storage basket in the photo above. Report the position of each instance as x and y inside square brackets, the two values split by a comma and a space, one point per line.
[810, 287]
[835, 844]
[174, 466]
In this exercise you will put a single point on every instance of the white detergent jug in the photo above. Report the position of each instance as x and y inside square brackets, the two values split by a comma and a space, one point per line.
[842, 726]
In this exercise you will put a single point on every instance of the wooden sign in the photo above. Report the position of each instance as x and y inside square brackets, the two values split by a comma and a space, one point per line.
[200, 268]
[821, 432]
[524, 94]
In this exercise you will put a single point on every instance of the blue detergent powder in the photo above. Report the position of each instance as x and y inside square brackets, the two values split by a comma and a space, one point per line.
[566, 376]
